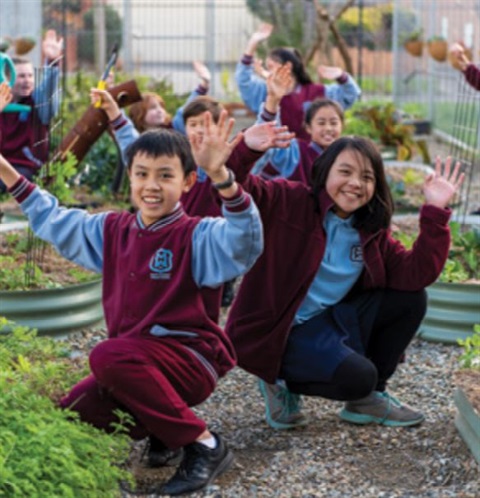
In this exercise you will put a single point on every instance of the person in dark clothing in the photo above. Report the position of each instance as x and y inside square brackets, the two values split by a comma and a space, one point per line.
[24, 136]
[333, 301]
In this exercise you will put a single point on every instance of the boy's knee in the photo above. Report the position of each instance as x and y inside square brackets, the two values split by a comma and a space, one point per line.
[108, 360]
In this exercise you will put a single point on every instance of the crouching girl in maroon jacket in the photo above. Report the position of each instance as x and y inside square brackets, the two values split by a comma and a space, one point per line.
[164, 353]
[332, 303]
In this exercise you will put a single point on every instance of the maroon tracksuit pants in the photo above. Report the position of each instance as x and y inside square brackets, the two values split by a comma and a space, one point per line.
[155, 380]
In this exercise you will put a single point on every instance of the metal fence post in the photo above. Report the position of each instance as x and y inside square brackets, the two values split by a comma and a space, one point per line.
[210, 42]
[127, 35]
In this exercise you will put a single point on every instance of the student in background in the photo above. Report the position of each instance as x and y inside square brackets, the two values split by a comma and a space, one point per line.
[324, 121]
[24, 136]
[253, 89]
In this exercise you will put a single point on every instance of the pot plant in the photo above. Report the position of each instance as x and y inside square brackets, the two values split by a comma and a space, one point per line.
[437, 48]
[413, 43]
[453, 301]
[467, 393]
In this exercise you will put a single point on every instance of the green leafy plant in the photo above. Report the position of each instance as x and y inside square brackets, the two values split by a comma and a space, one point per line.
[46, 451]
[470, 358]
[380, 122]
[463, 261]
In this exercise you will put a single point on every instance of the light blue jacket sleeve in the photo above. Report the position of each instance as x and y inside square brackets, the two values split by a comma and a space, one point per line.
[75, 234]
[346, 94]
[252, 88]
[224, 248]
[125, 136]
[177, 122]
[285, 161]
[46, 94]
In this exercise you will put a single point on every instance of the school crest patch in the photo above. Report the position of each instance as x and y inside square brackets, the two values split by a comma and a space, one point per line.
[161, 264]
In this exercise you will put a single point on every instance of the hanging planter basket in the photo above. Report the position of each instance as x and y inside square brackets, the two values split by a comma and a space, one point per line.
[467, 422]
[414, 47]
[55, 311]
[438, 50]
[453, 309]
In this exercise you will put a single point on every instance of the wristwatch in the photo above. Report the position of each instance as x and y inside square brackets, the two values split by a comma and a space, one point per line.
[227, 183]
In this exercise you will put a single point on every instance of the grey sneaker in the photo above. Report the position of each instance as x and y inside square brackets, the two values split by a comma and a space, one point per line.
[282, 408]
[380, 408]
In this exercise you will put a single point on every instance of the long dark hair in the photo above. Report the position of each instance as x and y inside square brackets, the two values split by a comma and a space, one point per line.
[284, 55]
[377, 213]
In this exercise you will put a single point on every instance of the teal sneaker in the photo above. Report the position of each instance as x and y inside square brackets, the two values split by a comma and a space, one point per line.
[282, 408]
[380, 408]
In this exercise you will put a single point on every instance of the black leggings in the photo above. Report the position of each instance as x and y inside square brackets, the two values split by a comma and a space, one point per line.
[388, 321]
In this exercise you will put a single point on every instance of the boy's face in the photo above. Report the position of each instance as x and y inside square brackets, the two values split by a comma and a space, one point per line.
[325, 127]
[195, 126]
[24, 82]
[157, 184]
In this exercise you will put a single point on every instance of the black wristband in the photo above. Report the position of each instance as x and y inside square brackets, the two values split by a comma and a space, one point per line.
[227, 183]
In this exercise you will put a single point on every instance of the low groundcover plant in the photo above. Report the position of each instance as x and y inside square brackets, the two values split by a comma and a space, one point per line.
[46, 451]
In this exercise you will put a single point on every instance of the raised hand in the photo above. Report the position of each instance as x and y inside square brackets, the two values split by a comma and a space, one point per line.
[280, 82]
[52, 46]
[259, 69]
[329, 72]
[264, 136]
[440, 187]
[213, 149]
[457, 52]
[261, 34]
[5, 95]
[203, 73]
[108, 103]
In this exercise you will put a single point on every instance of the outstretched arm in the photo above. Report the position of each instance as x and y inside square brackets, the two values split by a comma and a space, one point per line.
[8, 174]
[440, 187]
[345, 91]
[212, 151]
[5, 95]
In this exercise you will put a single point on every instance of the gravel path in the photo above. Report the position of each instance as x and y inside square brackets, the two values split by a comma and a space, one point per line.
[330, 458]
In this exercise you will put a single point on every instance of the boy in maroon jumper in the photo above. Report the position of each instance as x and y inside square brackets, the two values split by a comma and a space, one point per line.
[164, 353]
[24, 135]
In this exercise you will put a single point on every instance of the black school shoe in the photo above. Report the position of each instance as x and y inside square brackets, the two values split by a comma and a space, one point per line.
[199, 467]
[158, 455]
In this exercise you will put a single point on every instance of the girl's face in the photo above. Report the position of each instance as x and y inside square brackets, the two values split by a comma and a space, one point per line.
[155, 115]
[350, 182]
[325, 127]
[157, 184]
[272, 65]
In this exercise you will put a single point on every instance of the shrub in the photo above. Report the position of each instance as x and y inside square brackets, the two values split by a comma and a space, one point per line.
[46, 451]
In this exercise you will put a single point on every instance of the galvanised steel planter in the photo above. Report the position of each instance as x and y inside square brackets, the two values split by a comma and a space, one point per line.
[55, 311]
[453, 309]
[467, 422]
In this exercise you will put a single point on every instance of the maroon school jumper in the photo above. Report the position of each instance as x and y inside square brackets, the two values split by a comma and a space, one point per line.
[294, 242]
[156, 379]
[23, 137]
[472, 75]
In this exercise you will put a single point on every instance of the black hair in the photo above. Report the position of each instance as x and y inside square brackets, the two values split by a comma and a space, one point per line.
[202, 104]
[283, 55]
[377, 213]
[318, 104]
[156, 143]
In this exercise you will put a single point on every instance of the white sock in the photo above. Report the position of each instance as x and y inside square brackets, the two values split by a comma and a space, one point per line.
[210, 442]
